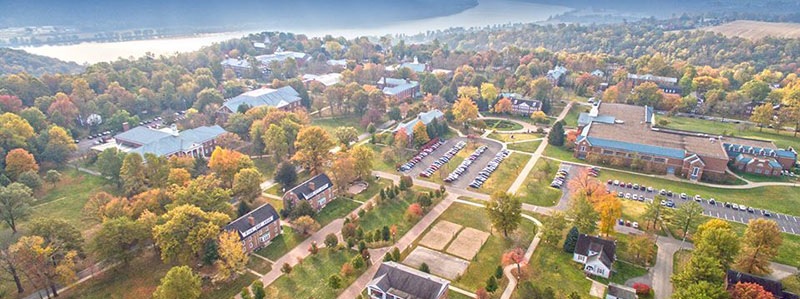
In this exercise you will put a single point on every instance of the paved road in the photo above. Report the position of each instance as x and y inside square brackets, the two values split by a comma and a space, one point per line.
[787, 223]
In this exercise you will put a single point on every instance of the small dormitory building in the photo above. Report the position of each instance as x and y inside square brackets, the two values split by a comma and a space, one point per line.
[284, 98]
[318, 191]
[398, 89]
[424, 117]
[396, 281]
[168, 141]
[556, 74]
[521, 105]
[257, 228]
[775, 287]
[596, 254]
[624, 133]
[616, 291]
[666, 84]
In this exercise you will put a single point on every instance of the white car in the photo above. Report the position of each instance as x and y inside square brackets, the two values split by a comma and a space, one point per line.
[635, 225]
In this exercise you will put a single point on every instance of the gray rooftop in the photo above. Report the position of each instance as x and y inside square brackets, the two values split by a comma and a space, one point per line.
[264, 97]
[162, 143]
[407, 282]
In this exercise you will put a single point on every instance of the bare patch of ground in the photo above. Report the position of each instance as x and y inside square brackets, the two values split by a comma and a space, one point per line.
[755, 30]
[468, 243]
[440, 264]
[441, 234]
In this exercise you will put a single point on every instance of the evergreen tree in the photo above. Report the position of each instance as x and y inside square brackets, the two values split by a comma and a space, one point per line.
[572, 240]
[491, 284]
[556, 136]
[424, 268]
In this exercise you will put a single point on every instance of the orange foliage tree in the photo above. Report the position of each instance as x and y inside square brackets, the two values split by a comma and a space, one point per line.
[226, 163]
[18, 161]
[747, 290]
[503, 106]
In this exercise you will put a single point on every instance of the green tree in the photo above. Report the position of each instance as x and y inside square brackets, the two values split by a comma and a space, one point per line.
[762, 115]
[59, 145]
[363, 156]
[204, 192]
[286, 175]
[52, 176]
[717, 239]
[571, 240]
[335, 281]
[258, 287]
[331, 240]
[556, 135]
[491, 284]
[132, 175]
[117, 239]
[425, 268]
[504, 211]
[276, 142]
[647, 93]
[247, 184]
[109, 161]
[346, 135]
[655, 213]
[180, 282]
[59, 232]
[553, 228]
[701, 290]
[759, 246]
[184, 230]
[686, 215]
[15, 201]
[583, 214]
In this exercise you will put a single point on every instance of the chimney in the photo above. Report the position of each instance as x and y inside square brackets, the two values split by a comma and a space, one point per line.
[251, 220]
[125, 126]
[311, 186]
[174, 129]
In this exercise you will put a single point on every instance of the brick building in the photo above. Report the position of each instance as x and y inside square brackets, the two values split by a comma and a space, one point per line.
[284, 98]
[398, 89]
[257, 228]
[318, 191]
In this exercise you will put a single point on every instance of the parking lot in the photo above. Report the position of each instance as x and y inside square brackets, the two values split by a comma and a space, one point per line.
[787, 223]
[467, 177]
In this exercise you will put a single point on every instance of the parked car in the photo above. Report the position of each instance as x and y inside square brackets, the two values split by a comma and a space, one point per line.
[712, 201]
[684, 196]
[767, 213]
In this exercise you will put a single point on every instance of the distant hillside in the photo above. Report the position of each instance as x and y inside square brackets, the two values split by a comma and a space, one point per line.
[755, 30]
[15, 61]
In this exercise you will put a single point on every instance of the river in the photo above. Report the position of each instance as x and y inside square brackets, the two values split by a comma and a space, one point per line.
[486, 13]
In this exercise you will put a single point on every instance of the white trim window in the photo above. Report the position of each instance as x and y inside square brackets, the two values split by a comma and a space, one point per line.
[695, 171]
[265, 237]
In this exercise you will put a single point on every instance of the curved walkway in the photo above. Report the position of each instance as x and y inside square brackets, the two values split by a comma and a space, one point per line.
[526, 127]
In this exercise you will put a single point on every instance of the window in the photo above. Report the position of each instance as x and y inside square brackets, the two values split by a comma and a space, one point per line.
[660, 160]
[321, 201]
[583, 148]
[646, 158]
[265, 237]
[695, 171]
[250, 244]
[600, 270]
[608, 152]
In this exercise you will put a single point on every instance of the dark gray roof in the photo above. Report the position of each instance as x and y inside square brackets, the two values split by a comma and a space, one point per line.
[621, 292]
[773, 286]
[262, 216]
[407, 282]
[606, 248]
[321, 183]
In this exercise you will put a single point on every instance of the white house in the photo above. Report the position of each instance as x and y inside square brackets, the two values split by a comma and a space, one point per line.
[396, 281]
[596, 254]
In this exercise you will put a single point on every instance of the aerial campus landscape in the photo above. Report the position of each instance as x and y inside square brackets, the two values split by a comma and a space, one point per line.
[632, 151]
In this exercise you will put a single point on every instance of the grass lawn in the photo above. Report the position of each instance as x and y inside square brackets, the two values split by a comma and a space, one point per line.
[552, 267]
[528, 147]
[390, 212]
[571, 120]
[791, 284]
[380, 165]
[508, 137]
[502, 125]
[762, 178]
[374, 188]
[680, 260]
[782, 140]
[140, 279]
[266, 167]
[336, 209]
[780, 199]
[488, 258]
[505, 174]
[308, 279]
[457, 295]
[259, 265]
[331, 123]
[536, 190]
[282, 244]
[276, 190]
[560, 153]
[625, 271]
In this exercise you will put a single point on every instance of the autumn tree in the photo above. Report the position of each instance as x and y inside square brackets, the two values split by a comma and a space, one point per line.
[583, 214]
[59, 145]
[363, 157]
[641, 247]
[180, 282]
[655, 213]
[226, 163]
[184, 231]
[179, 177]
[762, 115]
[57, 232]
[553, 228]
[465, 110]
[313, 148]
[504, 211]
[132, 174]
[759, 246]
[488, 92]
[306, 224]
[117, 239]
[401, 138]
[276, 142]
[647, 93]
[247, 184]
[610, 209]
[44, 264]
[206, 193]
[18, 161]
[346, 135]
[503, 106]
[514, 256]
[15, 201]
[749, 290]
[14, 131]
[420, 134]
[584, 183]
[686, 215]
[232, 256]
[343, 171]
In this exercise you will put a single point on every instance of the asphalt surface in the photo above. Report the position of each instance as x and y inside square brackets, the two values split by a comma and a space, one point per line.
[463, 181]
[787, 223]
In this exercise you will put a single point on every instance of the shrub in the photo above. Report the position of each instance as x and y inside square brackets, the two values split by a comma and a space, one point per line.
[347, 270]
[286, 268]
[331, 240]
[491, 284]
[357, 262]
[641, 289]
[414, 212]
[424, 268]
[424, 200]
[334, 281]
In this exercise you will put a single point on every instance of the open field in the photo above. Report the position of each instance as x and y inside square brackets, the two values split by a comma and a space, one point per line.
[336, 209]
[571, 120]
[330, 124]
[391, 212]
[507, 137]
[528, 146]
[308, 279]
[504, 176]
[782, 140]
[536, 189]
[552, 267]
[755, 30]
[282, 244]
[501, 125]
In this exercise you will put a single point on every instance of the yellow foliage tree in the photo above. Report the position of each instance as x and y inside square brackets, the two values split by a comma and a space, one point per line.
[610, 209]
[421, 134]
[226, 163]
[232, 257]
[464, 110]
[18, 161]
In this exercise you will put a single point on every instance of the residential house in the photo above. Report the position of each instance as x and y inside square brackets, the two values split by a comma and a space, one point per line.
[257, 228]
[556, 74]
[666, 84]
[424, 117]
[773, 286]
[284, 98]
[398, 89]
[616, 291]
[621, 134]
[521, 105]
[325, 79]
[168, 141]
[318, 191]
[396, 281]
[596, 254]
